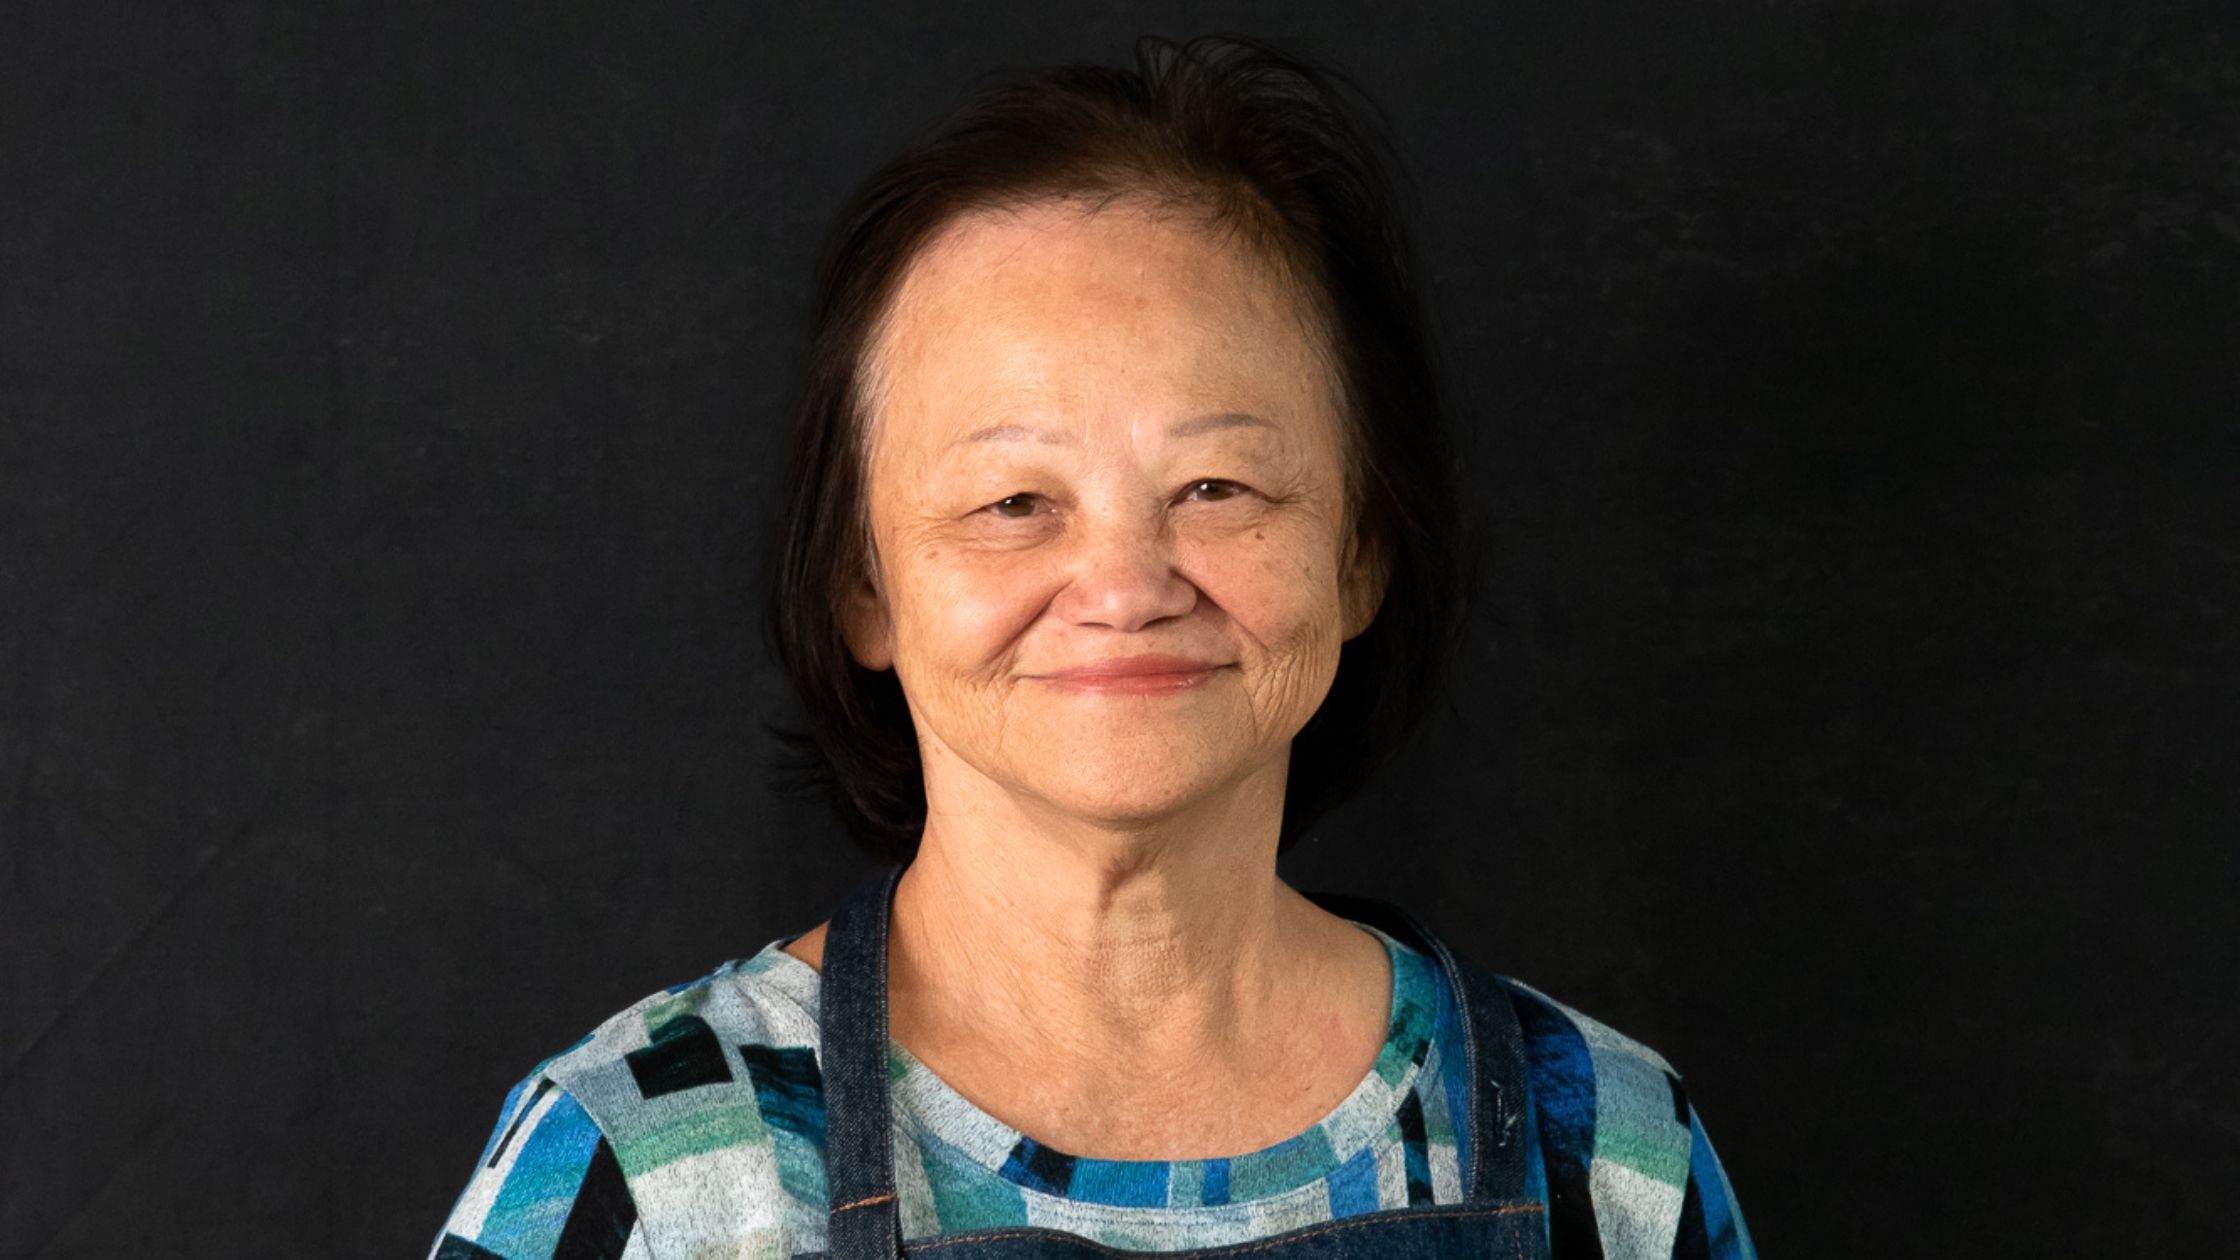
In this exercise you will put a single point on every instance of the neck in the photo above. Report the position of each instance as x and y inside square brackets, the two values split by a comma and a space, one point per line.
[1153, 944]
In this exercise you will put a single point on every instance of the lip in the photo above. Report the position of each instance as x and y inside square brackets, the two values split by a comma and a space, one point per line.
[1134, 675]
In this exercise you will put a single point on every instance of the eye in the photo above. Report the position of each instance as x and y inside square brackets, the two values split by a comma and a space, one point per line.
[1212, 490]
[1016, 506]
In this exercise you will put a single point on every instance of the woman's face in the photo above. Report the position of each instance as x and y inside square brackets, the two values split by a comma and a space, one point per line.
[1106, 492]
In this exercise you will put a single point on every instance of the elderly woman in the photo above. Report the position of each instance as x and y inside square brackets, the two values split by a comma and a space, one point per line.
[1119, 546]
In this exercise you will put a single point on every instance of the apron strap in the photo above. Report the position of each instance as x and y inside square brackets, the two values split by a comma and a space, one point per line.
[1492, 1042]
[852, 1042]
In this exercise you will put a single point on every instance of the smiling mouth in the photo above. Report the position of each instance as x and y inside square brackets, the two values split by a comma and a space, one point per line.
[1130, 684]
[1140, 677]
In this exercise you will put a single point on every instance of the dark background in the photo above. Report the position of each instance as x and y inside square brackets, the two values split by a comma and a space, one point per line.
[390, 400]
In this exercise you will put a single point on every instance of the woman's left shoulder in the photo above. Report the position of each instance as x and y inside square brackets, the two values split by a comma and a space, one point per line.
[1623, 1151]
[1600, 1088]
[1566, 1038]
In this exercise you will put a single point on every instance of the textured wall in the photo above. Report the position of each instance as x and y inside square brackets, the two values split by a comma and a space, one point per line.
[389, 407]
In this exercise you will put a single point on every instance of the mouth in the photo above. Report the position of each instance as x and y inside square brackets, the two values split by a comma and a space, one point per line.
[1134, 676]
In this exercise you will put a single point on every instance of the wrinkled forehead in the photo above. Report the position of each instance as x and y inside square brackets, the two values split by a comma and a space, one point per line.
[1055, 306]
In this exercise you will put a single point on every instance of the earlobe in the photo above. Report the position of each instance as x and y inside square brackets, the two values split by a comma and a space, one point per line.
[1361, 586]
[866, 627]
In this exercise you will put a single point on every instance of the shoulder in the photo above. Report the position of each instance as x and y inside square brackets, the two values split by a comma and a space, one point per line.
[692, 1117]
[1600, 1094]
[1569, 1044]
[688, 1036]
[1622, 1154]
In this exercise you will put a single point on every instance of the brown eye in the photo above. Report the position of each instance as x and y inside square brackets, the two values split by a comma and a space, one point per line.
[1016, 505]
[1213, 489]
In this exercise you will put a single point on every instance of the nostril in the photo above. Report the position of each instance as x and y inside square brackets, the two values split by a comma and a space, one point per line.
[1126, 593]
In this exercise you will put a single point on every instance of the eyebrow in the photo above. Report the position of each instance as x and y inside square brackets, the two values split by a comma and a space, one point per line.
[1181, 428]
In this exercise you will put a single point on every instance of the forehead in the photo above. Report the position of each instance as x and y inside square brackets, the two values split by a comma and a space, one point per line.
[1059, 307]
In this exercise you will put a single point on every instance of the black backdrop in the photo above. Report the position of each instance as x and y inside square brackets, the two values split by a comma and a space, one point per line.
[389, 405]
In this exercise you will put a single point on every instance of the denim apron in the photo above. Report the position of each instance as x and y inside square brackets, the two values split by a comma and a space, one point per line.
[1497, 1219]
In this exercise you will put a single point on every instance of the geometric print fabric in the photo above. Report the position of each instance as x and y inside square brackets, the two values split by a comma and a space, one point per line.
[692, 1123]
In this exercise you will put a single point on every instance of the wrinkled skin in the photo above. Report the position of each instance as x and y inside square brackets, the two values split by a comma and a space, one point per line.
[1079, 527]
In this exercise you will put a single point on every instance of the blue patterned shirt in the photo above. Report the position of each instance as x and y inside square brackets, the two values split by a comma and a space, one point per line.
[691, 1123]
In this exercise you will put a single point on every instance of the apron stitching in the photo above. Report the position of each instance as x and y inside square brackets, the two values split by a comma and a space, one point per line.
[877, 1198]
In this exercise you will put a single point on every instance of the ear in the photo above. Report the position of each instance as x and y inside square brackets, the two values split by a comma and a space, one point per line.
[866, 623]
[1362, 578]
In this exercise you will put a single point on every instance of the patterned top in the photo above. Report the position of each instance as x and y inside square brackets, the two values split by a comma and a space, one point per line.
[691, 1123]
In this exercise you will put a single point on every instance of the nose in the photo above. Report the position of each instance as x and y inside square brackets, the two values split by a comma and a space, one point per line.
[1124, 578]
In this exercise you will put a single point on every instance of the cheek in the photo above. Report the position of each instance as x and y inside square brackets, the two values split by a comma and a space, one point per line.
[966, 610]
[1277, 586]
[1281, 597]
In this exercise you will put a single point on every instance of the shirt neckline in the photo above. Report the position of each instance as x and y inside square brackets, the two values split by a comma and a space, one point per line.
[933, 1112]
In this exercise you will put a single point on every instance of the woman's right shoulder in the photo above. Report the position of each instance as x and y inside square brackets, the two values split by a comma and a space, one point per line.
[697, 1107]
[690, 1034]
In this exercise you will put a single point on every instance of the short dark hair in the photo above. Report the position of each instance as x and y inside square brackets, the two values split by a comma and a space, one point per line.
[1279, 148]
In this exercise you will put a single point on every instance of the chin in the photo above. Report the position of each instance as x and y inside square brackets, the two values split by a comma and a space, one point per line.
[1127, 791]
[1133, 809]
[1118, 769]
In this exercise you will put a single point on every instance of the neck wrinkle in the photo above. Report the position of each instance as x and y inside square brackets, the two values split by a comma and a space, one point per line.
[1139, 950]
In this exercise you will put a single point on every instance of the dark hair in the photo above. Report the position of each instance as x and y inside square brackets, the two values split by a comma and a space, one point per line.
[1270, 145]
